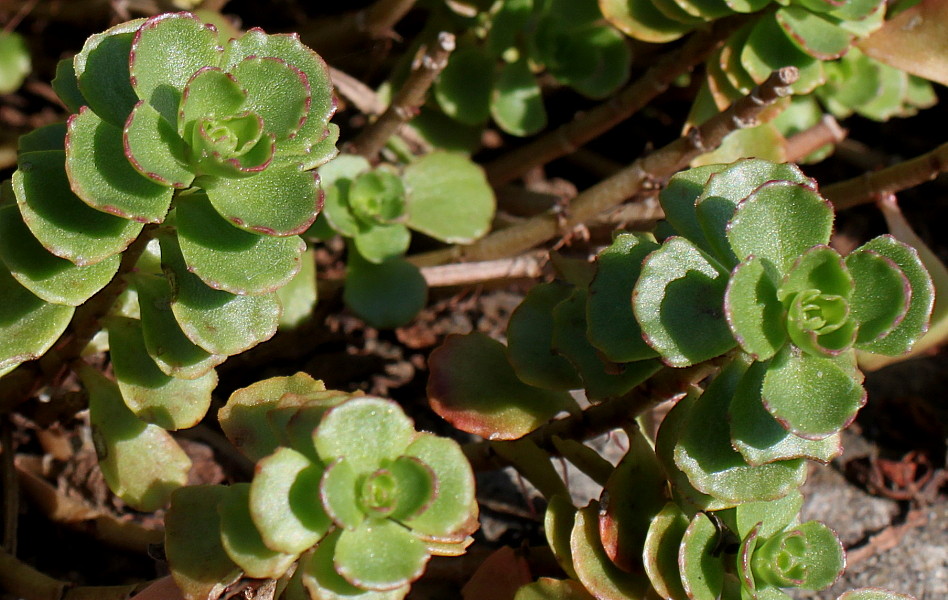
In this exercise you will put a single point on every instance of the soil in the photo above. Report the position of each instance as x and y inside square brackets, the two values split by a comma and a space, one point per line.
[886, 496]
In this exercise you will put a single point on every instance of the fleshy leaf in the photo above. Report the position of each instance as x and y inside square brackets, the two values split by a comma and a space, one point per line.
[218, 321]
[546, 588]
[818, 37]
[63, 223]
[300, 295]
[199, 564]
[757, 435]
[167, 50]
[642, 21]
[593, 60]
[231, 259]
[48, 137]
[678, 202]
[611, 325]
[796, 217]
[244, 417]
[702, 569]
[101, 69]
[558, 523]
[874, 594]
[364, 431]
[705, 454]
[660, 554]
[241, 539]
[141, 463]
[811, 396]
[768, 48]
[601, 379]
[594, 569]
[66, 86]
[322, 581]
[28, 326]
[452, 515]
[448, 198]
[209, 93]
[385, 295]
[169, 402]
[154, 149]
[415, 484]
[772, 516]
[338, 494]
[915, 322]
[500, 407]
[679, 303]
[464, 87]
[625, 515]
[167, 345]
[277, 201]
[530, 340]
[100, 173]
[49, 277]
[517, 102]
[379, 555]
[753, 311]
[881, 294]
[277, 91]
[378, 242]
[809, 556]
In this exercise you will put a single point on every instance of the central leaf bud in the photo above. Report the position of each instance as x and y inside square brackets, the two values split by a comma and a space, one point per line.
[820, 323]
[782, 560]
[231, 146]
[379, 493]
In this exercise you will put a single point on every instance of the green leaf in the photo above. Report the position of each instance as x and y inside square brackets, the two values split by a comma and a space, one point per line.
[874, 594]
[678, 202]
[757, 435]
[448, 198]
[553, 589]
[379, 555]
[277, 91]
[101, 174]
[364, 431]
[169, 402]
[602, 380]
[642, 21]
[48, 137]
[452, 515]
[210, 93]
[218, 321]
[385, 295]
[199, 564]
[415, 488]
[231, 259]
[881, 294]
[594, 60]
[463, 90]
[49, 277]
[611, 325]
[818, 37]
[772, 516]
[725, 190]
[277, 201]
[155, 149]
[300, 295]
[530, 340]
[516, 101]
[753, 311]
[702, 569]
[796, 217]
[901, 338]
[101, 69]
[339, 495]
[558, 523]
[14, 61]
[244, 418]
[811, 396]
[768, 48]
[809, 556]
[63, 223]
[67, 87]
[705, 454]
[377, 197]
[660, 552]
[142, 464]
[167, 345]
[598, 574]
[241, 539]
[379, 242]
[28, 326]
[167, 51]
[679, 303]
[322, 581]
[636, 492]
[499, 407]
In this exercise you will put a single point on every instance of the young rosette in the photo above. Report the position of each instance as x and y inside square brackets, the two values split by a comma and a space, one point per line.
[245, 119]
[751, 267]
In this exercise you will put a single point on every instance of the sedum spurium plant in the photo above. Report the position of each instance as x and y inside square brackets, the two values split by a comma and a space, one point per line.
[743, 281]
[345, 488]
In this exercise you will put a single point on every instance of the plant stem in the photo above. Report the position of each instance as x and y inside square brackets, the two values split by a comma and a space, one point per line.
[623, 105]
[376, 21]
[613, 414]
[644, 172]
[872, 186]
[409, 98]
[827, 131]
[517, 267]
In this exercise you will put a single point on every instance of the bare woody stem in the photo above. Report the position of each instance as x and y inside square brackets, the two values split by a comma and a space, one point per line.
[567, 138]
[827, 131]
[872, 186]
[409, 98]
[376, 21]
[611, 192]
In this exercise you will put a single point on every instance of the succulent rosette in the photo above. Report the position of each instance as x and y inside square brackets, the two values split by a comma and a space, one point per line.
[344, 484]
[751, 245]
